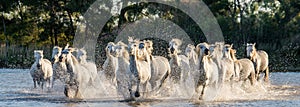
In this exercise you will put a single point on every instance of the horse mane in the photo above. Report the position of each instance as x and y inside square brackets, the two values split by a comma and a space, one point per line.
[198, 47]
[75, 61]
[254, 51]
[125, 53]
[177, 41]
[232, 54]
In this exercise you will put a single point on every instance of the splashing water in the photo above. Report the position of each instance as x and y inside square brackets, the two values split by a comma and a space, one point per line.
[17, 89]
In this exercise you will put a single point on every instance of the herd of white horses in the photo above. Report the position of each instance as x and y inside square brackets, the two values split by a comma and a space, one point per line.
[132, 68]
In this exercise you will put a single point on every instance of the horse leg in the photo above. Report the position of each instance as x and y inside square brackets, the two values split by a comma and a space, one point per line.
[42, 85]
[257, 70]
[267, 75]
[34, 83]
[78, 93]
[137, 93]
[202, 92]
[145, 88]
[252, 78]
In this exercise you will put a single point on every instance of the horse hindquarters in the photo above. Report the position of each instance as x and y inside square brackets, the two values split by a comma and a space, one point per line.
[160, 71]
[264, 64]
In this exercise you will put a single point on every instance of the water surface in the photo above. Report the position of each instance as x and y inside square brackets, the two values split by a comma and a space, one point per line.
[16, 89]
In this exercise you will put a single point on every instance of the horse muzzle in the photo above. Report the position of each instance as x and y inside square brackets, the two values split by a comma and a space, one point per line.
[38, 66]
[206, 51]
[172, 50]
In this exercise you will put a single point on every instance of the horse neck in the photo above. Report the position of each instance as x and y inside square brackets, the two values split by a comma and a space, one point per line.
[194, 57]
[125, 54]
[175, 58]
[255, 55]
[71, 63]
[233, 57]
[109, 56]
[227, 55]
[39, 61]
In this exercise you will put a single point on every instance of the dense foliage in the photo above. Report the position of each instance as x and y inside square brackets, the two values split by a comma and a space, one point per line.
[41, 24]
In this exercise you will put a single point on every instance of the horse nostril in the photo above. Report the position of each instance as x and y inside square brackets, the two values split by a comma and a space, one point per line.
[60, 58]
[206, 51]
[172, 50]
[52, 59]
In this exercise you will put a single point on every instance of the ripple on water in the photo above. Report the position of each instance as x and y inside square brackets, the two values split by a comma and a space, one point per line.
[16, 90]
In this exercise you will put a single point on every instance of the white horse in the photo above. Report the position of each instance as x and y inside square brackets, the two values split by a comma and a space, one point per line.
[160, 67]
[41, 69]
[122, 70]
[179, 64]
[199, 75]
[244, 68]
[109, 66]
[210, 75]
[222, 58]
[190, 52]
[140, 69]
[59, 68]
[82, 58]
[227, 64]
[79, 75]
[260, 59]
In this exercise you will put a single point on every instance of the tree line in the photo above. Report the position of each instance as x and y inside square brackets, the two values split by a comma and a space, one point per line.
[41, 24]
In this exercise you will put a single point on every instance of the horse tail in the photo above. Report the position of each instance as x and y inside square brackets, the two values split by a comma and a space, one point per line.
[163, 81]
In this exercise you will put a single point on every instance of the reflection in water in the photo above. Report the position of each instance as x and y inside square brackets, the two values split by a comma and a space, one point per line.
[16, 89]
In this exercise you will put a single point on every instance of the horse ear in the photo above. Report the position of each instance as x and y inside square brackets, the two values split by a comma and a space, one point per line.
[130, 39]
[67, 46]
[197, 48]
[231, 46]
[72, 49]
[254, 44]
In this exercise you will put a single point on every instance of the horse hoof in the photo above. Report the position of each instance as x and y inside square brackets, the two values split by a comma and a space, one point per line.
[137, 94]
[200, 98]
[66, 92]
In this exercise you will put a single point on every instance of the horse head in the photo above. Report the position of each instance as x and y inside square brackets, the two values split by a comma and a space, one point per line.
[174, 45]
[215, 50]
[251, 50]
[189, 50]
[149, 46]
[56, 52]
[233, 54]
[109, 49]
[201, 47]
[143, 52]
[226, 51]
[81, 55]
[66, 55]
[132, 46]
[38, 55]
[121, 50]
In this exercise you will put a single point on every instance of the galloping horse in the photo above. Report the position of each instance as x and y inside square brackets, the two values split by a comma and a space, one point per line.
[59, 68]
[79, 74]
[180, 68]
[41, 69]
[140, 69]
[260, 59]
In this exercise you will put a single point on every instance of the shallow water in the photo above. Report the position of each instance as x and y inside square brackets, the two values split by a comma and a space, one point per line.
[16, 89]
